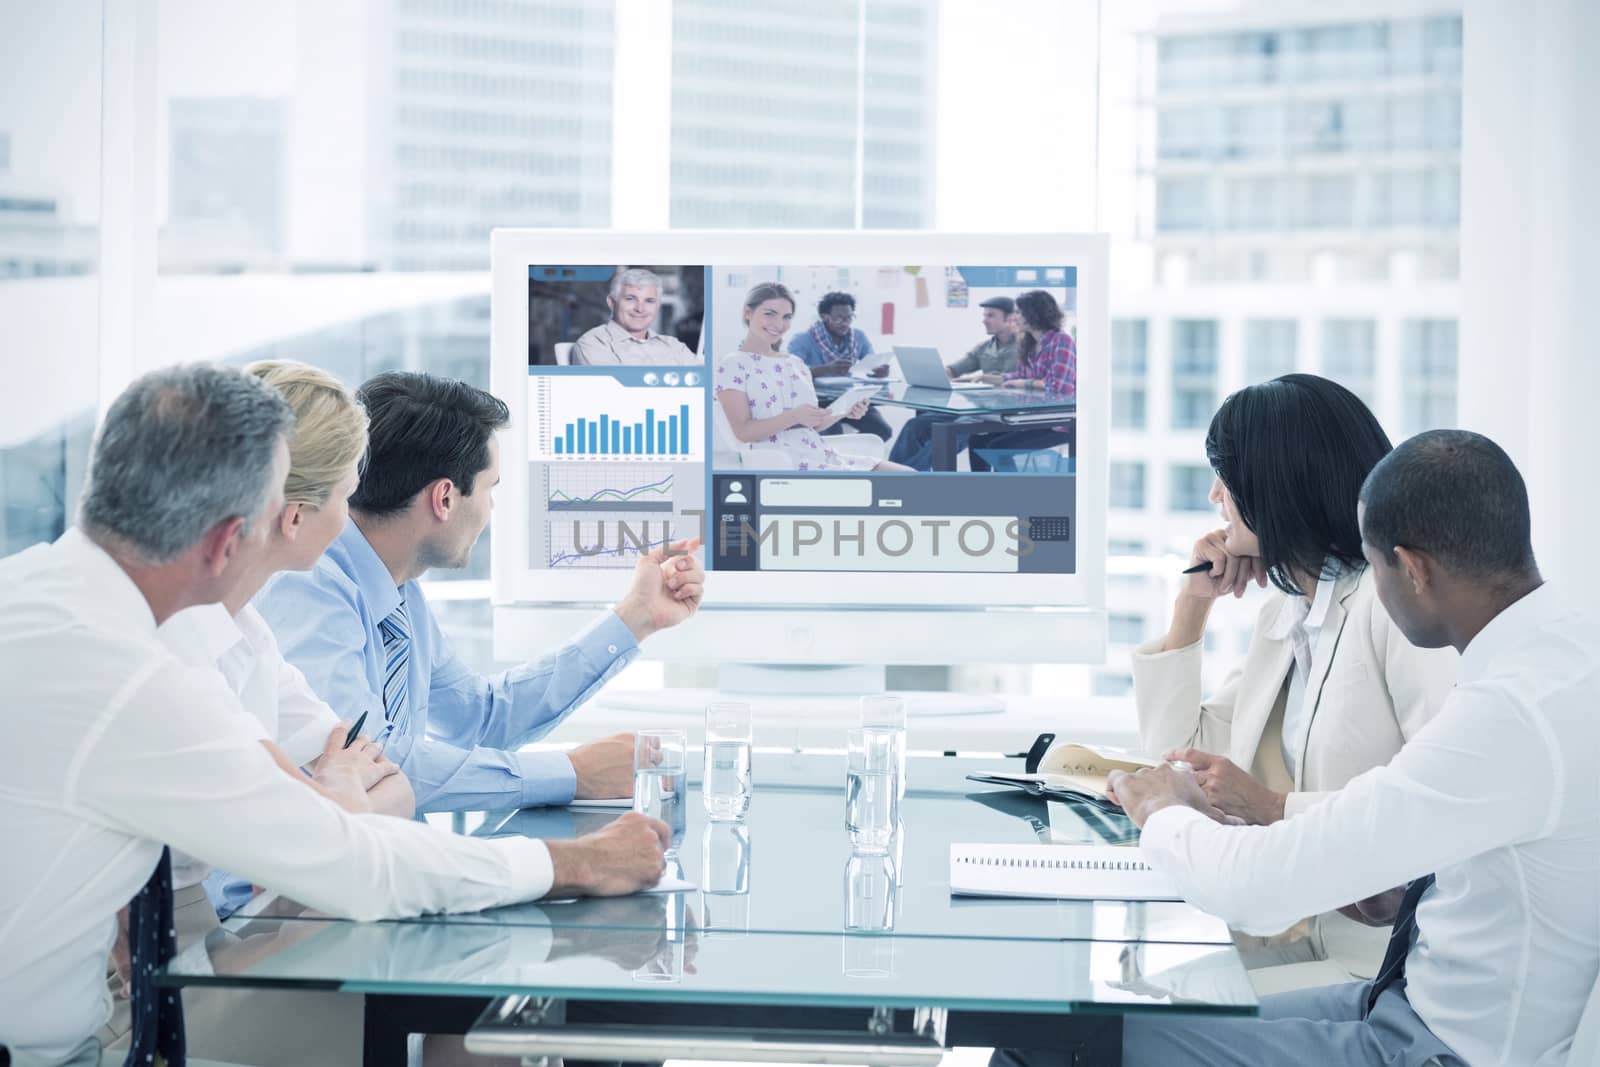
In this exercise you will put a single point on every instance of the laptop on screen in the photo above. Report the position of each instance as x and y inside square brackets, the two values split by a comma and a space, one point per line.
[923, 367]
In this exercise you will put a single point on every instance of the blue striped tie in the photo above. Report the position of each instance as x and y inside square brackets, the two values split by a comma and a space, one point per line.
[396, 631]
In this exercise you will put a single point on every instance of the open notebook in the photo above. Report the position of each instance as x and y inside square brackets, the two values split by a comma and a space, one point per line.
[1075, 772]
[1056, 872]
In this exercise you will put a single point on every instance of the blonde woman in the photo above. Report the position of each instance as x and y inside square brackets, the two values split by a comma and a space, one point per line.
[768, 396]
[324, 462]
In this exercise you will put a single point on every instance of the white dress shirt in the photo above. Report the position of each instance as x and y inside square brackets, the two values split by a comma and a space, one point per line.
[279, 705]
[1497, 795]
[273, 691]
[1300, 622]
[114, 748]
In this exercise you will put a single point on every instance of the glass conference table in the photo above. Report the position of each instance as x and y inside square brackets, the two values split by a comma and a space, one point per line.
[984, 410]
[789, 947]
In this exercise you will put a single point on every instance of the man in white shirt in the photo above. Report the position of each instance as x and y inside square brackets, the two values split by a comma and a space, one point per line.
[114, 747]
[1490, 813]
[626, 339]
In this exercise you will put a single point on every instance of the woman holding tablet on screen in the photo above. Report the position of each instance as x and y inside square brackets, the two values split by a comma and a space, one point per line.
[767, 394]
[1329, 687]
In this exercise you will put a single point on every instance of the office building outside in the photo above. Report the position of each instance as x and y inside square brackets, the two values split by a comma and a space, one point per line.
[226, 184]
[1299, 180]
[39, 237]
[841, 86]
[471, 115]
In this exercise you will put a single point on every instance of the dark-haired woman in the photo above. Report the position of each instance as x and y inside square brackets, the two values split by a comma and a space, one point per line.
[1329, 687]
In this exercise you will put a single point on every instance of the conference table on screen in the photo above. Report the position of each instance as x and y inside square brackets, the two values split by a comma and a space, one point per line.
[771, 938]
[981, 410]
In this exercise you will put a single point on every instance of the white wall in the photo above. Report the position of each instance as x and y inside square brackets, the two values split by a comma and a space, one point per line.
[1530, 224]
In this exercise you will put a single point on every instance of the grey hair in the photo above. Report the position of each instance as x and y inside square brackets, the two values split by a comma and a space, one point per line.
[181, 450]
[636, 276]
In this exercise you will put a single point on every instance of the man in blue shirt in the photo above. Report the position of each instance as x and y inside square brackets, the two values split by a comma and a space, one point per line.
[831, 347]
[359, 628]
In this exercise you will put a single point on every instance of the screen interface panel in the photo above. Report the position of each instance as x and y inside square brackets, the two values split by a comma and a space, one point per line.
[870, 419]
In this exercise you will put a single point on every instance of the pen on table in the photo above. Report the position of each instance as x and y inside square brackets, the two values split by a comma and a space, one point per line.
[355, 731]
[1204, 565]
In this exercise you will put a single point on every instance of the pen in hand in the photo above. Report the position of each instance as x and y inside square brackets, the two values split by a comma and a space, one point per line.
[1203, 565]
[355, 731]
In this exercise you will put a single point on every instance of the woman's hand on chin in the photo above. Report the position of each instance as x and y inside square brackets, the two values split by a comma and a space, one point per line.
[1228, 574]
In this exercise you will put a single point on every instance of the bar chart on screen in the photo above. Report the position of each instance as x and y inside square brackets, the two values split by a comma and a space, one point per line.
[594, 417]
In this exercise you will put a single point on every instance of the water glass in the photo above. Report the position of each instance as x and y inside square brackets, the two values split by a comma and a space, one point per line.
[725, 879]
[725, 786]
[872, 788]
[667, 963]
[883, 712]
[658, 778]
[871, 884]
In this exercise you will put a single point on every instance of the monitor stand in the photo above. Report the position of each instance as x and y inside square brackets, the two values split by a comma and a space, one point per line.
[801, 688]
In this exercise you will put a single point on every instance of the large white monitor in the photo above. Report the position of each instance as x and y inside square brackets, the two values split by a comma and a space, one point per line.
[990, 550]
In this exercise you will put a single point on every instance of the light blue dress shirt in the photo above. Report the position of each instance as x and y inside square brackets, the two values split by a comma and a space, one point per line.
[802, 344]
[459, 748]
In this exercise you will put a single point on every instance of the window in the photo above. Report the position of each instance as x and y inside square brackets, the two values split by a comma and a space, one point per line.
[1127, 485]
[1183, 204]
[773, 144]
[1325, 202]
[1124, 628]
[1350, 356]
[1130, 344]
[1122, 546]
[1429, 374]
[50, 220]
[1251, 130]
[1417, 198]
[1112, 684]
[1255, 203]
[1269, 349]
[1194, 373]
[1189, 487]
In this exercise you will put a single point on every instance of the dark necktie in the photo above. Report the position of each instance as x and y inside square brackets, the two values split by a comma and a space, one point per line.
[152, 941]
[1405, 932]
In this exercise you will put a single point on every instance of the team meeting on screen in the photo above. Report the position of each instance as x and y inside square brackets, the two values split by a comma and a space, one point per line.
[794, 376]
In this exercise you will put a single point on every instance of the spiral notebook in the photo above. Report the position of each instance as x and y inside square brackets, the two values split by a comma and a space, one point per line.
[1056, 872]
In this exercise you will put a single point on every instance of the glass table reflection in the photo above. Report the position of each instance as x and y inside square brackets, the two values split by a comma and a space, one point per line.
[782, 914]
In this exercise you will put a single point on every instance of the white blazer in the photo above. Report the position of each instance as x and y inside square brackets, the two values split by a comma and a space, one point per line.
[1370, 691]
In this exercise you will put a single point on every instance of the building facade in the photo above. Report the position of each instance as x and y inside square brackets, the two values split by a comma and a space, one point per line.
[815, 117]
[1299, 178]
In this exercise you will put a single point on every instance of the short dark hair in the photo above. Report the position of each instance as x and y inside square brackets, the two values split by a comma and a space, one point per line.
[830, 301]
[1003, 304]
[423, 428]
[1293, 453]
[1040, 310]
[1455, 495]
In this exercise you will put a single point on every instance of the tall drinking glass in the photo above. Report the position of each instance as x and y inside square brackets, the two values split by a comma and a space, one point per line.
[658, 766]
[884, 712]
[725, 879]
[872, 788]
[725, 785]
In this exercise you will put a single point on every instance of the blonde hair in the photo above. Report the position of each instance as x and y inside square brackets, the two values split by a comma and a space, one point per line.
[330, 428]
[761, 294]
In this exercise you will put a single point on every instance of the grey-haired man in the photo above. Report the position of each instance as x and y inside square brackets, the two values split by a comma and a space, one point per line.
[627, 339]
[116, 749]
